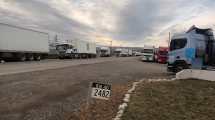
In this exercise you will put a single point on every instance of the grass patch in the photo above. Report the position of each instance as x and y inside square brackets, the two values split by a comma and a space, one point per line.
[175, 100]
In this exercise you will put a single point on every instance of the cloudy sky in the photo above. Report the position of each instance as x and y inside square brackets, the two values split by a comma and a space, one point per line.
[125, 22]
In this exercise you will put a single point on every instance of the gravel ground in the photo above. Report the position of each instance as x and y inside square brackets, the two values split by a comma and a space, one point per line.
[53, 94]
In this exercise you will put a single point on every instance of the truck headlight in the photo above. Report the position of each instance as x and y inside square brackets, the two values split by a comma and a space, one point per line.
[171, 59]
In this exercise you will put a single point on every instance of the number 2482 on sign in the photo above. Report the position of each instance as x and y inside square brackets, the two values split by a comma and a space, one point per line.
[101, 91]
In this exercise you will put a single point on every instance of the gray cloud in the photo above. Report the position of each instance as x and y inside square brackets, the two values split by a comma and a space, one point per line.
[139, 19]
[127, 20]
[143, 18]
[44, 17]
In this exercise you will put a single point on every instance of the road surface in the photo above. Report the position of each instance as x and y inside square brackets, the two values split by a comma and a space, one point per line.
[49, 94]
[21, 67]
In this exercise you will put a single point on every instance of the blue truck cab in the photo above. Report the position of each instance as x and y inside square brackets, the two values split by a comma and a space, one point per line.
[193, 49]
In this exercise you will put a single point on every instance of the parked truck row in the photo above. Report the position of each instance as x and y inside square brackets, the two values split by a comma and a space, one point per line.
[22, 44]
[194, 49]
[152, 54]
[18, 43]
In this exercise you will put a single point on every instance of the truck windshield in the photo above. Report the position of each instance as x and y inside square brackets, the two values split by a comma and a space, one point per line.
[104, 51]
[178, 44]
[117, 51]
[62, 47]
[148, 51]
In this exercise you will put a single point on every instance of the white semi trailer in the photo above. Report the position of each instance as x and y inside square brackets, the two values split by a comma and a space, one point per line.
[125, 52]
[22, 44]
[76, 49]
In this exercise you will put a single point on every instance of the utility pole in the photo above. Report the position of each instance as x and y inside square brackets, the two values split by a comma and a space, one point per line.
[56, 40]
[111, 43]
[169, 39]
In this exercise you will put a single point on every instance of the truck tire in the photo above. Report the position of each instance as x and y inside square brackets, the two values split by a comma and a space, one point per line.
[76, 56]
[61, 58]
[181, 66]
[30, 57]
[37, 57]
[23, 57]
[71, 56]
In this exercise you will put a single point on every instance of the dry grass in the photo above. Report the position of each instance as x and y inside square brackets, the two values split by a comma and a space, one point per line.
[176, 100]
[101, 109]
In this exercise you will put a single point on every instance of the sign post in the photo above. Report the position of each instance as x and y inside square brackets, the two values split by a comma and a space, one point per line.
[97, 91]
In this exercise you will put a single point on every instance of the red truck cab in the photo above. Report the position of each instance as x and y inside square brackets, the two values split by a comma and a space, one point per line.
[162, 54]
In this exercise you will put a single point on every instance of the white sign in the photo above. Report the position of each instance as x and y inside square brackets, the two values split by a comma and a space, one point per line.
[101, 91]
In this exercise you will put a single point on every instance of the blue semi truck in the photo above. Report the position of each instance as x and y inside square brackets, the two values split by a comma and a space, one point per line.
[194, 49]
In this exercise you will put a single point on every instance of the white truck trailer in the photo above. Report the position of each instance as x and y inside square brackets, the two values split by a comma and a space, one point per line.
[22, 44]
[125, 52]
[76, 49]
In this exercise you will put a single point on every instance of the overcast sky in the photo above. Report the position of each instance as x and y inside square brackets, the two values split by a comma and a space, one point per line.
[125, 22]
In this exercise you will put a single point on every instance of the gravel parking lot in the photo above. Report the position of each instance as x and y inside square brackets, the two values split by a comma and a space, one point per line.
[52, 92]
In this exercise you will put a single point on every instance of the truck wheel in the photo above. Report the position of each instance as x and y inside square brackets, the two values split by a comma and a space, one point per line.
[37, 57]
[76, 56]
[181, 66]
[31, 57]
[23, 58]
[71, 56]
[60, 58]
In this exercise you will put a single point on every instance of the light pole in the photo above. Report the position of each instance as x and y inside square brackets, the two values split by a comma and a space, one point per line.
[169, 39]
[111, 43]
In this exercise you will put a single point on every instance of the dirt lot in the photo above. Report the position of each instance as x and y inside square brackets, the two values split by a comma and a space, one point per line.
[173, 100]
[54, 94]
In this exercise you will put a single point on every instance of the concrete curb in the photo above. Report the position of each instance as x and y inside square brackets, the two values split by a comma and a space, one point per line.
[126, 100]
[196, 74]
